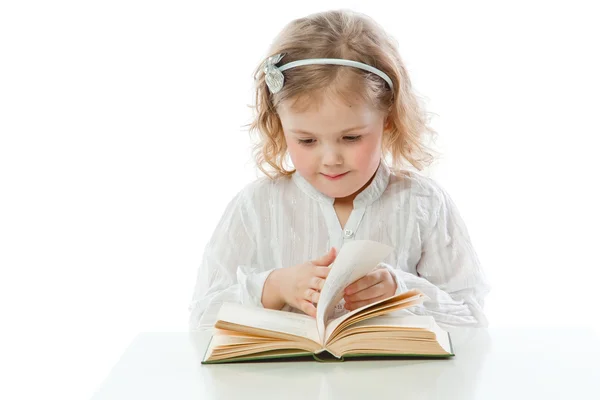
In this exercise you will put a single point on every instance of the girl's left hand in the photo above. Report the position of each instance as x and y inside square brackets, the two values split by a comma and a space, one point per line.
[376, 285]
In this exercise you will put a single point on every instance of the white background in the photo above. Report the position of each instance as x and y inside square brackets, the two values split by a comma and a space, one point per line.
[122, 139]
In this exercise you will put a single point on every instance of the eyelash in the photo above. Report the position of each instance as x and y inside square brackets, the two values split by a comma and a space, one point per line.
[350, 139]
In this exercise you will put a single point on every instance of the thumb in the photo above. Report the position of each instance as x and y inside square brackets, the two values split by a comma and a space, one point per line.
[327, 258]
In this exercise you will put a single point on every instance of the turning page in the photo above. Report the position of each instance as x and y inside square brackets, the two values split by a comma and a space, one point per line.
[354, 260]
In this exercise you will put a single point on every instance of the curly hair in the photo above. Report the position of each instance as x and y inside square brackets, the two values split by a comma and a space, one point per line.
[349, 35]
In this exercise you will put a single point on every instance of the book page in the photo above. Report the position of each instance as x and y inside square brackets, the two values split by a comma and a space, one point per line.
[273, 320]
[399, 321]
[400, 301]
[354, 260]
[426, 322]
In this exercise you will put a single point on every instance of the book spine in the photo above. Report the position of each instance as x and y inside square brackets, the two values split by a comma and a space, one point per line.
[327, 357]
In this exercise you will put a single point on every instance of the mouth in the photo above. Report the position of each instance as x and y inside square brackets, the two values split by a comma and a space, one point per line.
[334, 177]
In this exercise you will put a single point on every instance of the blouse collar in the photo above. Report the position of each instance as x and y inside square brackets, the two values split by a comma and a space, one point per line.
[370, 194]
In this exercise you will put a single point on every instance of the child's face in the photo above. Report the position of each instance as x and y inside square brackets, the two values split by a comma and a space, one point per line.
[323, 150]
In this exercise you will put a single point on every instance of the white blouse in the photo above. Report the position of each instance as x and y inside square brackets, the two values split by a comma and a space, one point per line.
[279, 223]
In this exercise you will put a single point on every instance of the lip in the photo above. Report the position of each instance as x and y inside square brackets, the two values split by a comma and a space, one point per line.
[334, 177]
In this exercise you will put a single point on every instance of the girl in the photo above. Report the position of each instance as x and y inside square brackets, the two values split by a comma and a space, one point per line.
[335, 97]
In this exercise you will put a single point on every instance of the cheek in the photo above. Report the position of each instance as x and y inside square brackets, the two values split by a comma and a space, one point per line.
[300, 156]
[366, 154]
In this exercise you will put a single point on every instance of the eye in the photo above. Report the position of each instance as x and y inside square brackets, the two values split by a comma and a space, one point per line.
[306, 142]
[352, 138]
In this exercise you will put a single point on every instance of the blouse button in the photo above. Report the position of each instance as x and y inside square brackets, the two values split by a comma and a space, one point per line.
[348, 233]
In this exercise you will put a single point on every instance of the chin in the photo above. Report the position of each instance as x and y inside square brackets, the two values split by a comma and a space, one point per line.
[335, 192]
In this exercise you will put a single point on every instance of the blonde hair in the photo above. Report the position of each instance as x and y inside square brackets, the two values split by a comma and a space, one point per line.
[353, 36]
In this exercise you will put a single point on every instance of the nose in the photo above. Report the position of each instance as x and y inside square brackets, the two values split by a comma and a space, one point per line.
[332, 156]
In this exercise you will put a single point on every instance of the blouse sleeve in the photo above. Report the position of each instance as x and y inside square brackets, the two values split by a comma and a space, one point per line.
[448, 272]
[227, 273]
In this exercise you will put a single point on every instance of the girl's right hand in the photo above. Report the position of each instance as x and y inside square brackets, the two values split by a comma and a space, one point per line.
[299, 286]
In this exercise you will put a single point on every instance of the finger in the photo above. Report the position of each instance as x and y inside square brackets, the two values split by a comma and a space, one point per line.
[369, 293]
[326, 259]
[321, 272]
[372, 278]
[358, 304]
[317, 283]
[308, 308]
[312, 295]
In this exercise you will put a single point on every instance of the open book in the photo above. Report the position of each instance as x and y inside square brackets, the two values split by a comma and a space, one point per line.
[245, 333]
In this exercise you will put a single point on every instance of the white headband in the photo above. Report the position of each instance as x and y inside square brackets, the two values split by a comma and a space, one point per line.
[274, 75]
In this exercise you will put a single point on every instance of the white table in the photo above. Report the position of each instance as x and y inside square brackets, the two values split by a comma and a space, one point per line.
[489, 364]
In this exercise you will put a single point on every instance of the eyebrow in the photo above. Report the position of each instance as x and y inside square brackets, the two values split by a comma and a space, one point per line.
[344, 131]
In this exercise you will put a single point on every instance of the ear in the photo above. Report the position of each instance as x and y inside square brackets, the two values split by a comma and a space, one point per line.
[387, 125]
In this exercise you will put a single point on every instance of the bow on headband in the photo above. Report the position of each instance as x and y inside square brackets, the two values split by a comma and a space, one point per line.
[273, 76]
